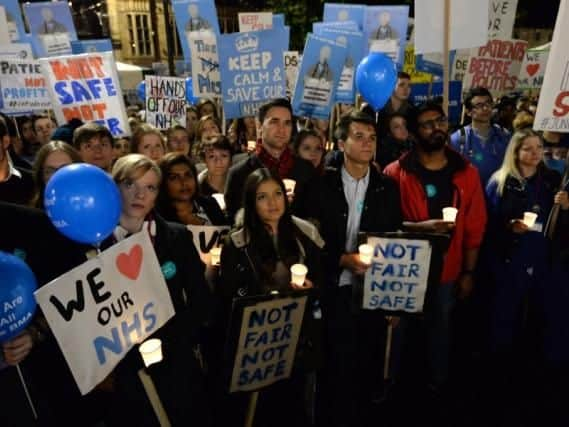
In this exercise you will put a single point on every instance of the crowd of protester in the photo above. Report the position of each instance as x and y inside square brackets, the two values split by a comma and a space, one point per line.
[494, 328]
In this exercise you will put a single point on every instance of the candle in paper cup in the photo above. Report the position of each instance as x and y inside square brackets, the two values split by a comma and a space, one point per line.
[151, 351]
[366, 251]
[289, 184]
[449, 214]
[529, 219]
[220, 199]
[298, 274]
[215, 256]
[251, 145]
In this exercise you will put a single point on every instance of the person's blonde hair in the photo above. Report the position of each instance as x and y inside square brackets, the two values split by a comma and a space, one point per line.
[510, 164]
[132, 167]
[523, 120]
[141, 131]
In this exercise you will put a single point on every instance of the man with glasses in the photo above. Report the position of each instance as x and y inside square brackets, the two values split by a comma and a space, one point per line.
[431, 177]
[95, 145]
[483, 143]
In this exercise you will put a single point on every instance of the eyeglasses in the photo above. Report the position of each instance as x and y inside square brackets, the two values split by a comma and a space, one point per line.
[482, 106]
[431, 124]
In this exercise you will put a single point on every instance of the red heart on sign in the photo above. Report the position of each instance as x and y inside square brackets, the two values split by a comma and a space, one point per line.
[532, 69]
[129, 264]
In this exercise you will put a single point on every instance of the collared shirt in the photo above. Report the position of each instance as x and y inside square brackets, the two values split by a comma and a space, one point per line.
[355, 192]
[486, 154]
[12, 171]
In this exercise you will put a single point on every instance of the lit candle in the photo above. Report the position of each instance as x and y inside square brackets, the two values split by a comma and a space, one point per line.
[289, 184]
[366, 251]
[215, 256]
[449, 214]
[529, 219]
[298, 274]
[151, 351]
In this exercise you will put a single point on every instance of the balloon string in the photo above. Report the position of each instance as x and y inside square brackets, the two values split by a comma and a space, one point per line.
[27, 392]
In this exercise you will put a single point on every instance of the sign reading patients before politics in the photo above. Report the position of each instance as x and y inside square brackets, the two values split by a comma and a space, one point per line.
[252, 70]
[553, 108]
[86, 87]
[101, 309]
[22, 86]
[207, 237]
[267, 343]
[165, 101]
[397, 278]
[495, 66]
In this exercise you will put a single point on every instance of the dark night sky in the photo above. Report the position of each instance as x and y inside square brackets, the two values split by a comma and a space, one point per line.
[537, 13]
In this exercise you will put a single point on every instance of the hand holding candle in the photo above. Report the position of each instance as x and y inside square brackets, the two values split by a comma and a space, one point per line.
[449, 214]
[215, 256]
[529, 219]
[298, 274]
[366, 252]
[151, 351]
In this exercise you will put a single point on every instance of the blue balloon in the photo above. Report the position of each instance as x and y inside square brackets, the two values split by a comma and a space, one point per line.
[141, 91]
[17, 302]
[190, 92]
[376, 77]
[83, 202]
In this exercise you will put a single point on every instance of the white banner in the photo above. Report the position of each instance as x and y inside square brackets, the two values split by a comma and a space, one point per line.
[207, 237]
[101, 309]
[397, 278]
[501, 18]
[267, 343]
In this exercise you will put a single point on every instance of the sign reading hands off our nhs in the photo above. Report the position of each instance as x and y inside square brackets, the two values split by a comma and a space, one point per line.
[398, 276]
[101, 309]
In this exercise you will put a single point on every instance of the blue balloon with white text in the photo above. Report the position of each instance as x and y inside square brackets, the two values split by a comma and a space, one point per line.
[83, 202]
[376, 77]
[17, 301]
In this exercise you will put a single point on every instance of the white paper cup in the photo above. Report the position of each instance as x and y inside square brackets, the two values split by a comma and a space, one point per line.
[251, 145]
[220, 199]
[215, 254]
[151, 351]
[298, 274]
[366, 251]
[529, 219]
[449, 214]
[289, 184]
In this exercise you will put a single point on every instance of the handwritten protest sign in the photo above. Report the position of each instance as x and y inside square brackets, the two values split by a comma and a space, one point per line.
[341, 12]
[460, 64]
[15, 23]
[320, 71]
[268, 337]
[252, 70]
[22, 86]
[87, 87]
[386, 30]
[51, 26]
[532, 70]
[357, 48]
[495, 66]
[101, 309]
[206, 81]
[291, 64]
[501, 17]
[468, 24]
[165, 101]
[397, 278]
[255, 21]
[207, 237]
[553, 108]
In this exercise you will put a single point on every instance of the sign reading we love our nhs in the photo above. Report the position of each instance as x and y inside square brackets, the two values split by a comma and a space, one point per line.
[252, 70]
[101, 309]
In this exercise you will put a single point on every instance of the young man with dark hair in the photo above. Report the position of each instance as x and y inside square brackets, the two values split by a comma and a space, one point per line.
[352, 198]
[16, 184]
[481, 142]
[399, 100]
[95, 145]
[274, 153]
[44, 127]
[430, 177]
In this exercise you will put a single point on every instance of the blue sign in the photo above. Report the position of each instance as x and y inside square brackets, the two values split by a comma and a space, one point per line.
[386, 29]
[90, 46]
[318, 77]
[340, 12]
[348, 25]
[420, 93]
[346, 91]
[433, 63]
[252, 70]
[278, 20]
[14, 19]
[194, 15]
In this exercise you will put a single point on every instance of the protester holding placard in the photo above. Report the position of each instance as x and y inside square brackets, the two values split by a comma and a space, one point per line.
[481, 142]
[149, 141]
[430, 177]
[180, 200]
[51, 157]
[44, 127]
[352, 198]
[178, 377]
[265, 243]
